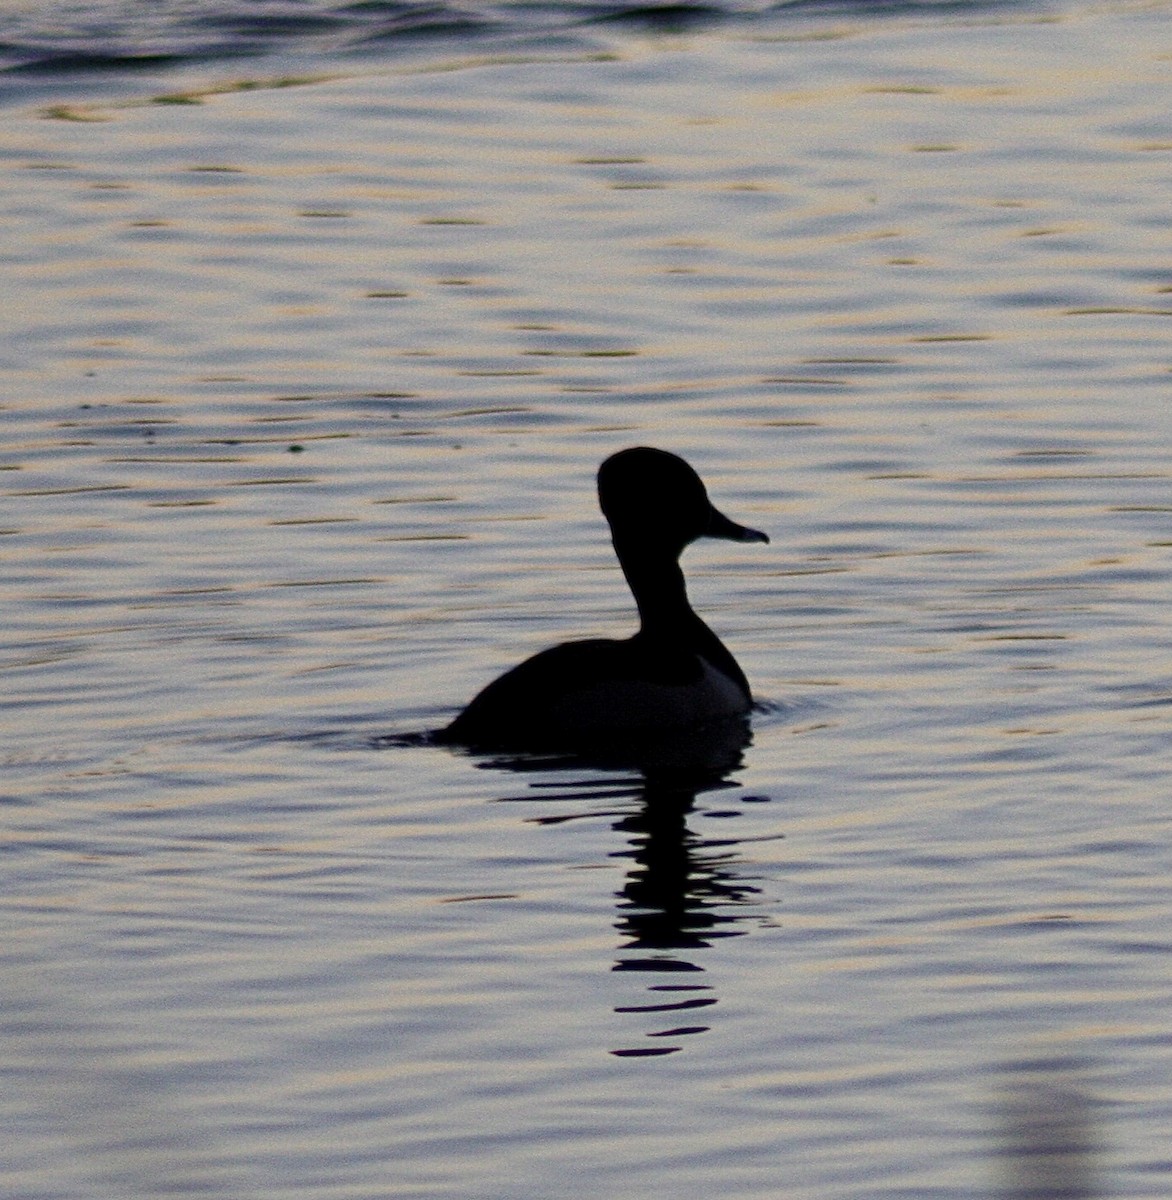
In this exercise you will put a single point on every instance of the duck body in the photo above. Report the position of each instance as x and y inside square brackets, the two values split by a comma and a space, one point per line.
[590, 691]
[673, 674]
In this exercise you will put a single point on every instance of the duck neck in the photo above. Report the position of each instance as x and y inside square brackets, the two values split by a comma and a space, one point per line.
[657, 583]
[666, 619]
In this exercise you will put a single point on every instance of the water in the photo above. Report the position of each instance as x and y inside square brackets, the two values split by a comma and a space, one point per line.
[310, 358]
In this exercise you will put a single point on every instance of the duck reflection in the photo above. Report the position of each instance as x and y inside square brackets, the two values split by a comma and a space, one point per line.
[682, 891]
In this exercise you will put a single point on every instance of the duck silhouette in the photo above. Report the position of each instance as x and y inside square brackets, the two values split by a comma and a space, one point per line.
[672, 675]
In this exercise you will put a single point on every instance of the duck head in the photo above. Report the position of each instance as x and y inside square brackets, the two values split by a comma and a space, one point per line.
[655, 501]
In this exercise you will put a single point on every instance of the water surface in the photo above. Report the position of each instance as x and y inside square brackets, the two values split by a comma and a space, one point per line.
[307, 379]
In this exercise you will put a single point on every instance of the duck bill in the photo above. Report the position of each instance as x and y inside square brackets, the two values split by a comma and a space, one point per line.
[719, 526]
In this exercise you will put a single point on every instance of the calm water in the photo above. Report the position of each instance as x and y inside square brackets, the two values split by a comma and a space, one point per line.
[309, 360]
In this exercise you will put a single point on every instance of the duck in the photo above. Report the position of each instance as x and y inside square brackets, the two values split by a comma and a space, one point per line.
[673, 674]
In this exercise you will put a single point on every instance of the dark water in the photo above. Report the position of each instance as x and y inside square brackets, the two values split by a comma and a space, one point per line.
[55, 45]
[310, 356]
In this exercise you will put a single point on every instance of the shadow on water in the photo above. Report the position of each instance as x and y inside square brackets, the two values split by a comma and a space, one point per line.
[682, 891]
[1049, 1137]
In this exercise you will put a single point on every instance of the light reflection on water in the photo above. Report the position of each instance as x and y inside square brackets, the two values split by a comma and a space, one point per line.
[307, 388]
